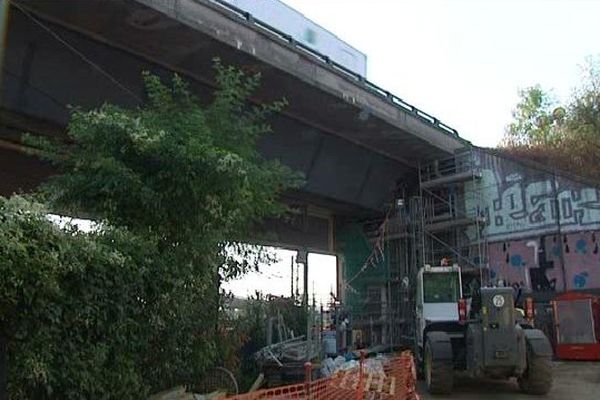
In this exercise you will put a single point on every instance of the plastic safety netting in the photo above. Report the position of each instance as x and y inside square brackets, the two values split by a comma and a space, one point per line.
[395, 380]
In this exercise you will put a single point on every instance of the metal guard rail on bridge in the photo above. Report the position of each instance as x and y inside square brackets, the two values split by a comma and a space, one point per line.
[395, 100]
[396, 382]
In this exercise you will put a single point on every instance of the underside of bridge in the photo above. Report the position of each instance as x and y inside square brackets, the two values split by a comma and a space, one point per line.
[358, 146]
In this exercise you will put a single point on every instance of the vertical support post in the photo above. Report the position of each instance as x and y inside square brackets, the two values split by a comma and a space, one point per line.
[361, 376]
[321, 319]
[340, 289]
[313, 334]
[3, 27]
[269, 331]
[559, 230]
[297, 294]
[421, 223]
[308, 313]
[303, 259]
[307, 372]
[307, 378]
[478, 207]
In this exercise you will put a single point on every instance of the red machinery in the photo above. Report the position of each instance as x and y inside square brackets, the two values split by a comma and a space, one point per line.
[577, 323]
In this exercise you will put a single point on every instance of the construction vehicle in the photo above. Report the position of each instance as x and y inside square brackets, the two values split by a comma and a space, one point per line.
[484, 336]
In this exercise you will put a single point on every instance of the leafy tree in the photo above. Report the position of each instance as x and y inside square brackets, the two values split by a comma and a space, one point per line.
[567, 137]
[188, 175]
[583, 123]
[250, 322]
[537, 120]
[132, 307]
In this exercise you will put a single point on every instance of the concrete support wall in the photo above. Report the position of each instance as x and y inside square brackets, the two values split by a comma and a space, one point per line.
[538, 261]
[544, 226]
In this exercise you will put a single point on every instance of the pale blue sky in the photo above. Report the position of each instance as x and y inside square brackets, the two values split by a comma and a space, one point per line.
[463, 61]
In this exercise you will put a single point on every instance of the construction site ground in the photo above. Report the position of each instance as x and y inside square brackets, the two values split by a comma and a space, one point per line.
[572, 380]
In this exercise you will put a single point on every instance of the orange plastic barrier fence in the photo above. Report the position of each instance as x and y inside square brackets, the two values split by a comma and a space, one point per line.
[397, 381]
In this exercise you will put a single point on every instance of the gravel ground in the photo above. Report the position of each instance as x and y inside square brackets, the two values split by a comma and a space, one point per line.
[572, 381]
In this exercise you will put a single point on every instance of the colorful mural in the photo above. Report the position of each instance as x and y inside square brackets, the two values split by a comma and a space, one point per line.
[529, 245]
[536, 263]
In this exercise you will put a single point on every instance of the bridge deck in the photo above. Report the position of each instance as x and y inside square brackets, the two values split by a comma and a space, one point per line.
[353, 141]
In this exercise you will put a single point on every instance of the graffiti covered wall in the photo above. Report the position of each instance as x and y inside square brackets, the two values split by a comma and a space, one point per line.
[537, 263]
[521, 201]
[543, 230]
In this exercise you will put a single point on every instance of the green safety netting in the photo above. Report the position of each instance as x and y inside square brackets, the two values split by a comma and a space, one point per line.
[358, 271]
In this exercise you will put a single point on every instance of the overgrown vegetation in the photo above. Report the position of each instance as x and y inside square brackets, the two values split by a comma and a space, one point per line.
[252, 324]
[565, 136]
[132, 308]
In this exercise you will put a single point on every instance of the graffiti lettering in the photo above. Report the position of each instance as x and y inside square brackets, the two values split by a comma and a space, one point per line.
[515, 206]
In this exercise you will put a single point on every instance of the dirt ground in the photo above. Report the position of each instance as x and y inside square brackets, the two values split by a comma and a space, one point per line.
[572, 381]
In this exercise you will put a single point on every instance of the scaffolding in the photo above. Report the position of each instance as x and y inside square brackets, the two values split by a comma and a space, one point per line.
[442, 217]
[451, 212]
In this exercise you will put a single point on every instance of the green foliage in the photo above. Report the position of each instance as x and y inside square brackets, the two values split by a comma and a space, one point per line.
[100, 315]
[189, 176]
[583, 121]
[568, 136]
[250, 322]
[133, 307]
[536, 120]
[172, 168]
[68, 307]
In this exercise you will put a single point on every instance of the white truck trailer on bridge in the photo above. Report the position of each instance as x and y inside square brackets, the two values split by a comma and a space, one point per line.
[288, 20]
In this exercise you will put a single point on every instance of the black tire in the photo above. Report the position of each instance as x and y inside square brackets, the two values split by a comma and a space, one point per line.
[418, 355]
[537, 379]
[439, 374]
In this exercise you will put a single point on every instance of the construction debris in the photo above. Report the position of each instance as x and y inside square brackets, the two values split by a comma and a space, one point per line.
[331, 366]
[386, 378]
[179, 393]
[257, 383]
[218, 395]
[176, 393]
[291, 350]
[284, 362]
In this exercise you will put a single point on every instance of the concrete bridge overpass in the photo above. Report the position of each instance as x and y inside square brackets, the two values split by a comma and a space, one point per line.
[354, 141]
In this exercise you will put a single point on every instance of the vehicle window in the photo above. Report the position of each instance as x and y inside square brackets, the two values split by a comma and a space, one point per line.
[440, 287]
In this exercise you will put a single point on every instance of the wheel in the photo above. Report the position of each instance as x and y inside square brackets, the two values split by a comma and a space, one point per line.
[418, 356]
[537, 379]
[439, 374]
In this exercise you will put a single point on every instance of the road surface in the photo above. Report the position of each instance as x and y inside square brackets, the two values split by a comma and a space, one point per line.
[572, 381]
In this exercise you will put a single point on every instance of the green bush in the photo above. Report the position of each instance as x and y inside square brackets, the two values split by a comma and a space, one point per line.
[132, 308]
[67, 306]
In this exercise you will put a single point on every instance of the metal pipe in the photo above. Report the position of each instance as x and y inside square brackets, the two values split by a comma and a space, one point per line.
[558, 229]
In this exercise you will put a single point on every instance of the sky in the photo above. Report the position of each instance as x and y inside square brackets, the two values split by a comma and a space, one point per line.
[275, 279]
[464, 61]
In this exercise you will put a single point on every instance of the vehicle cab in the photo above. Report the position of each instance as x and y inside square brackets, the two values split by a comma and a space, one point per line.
[438, 292]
